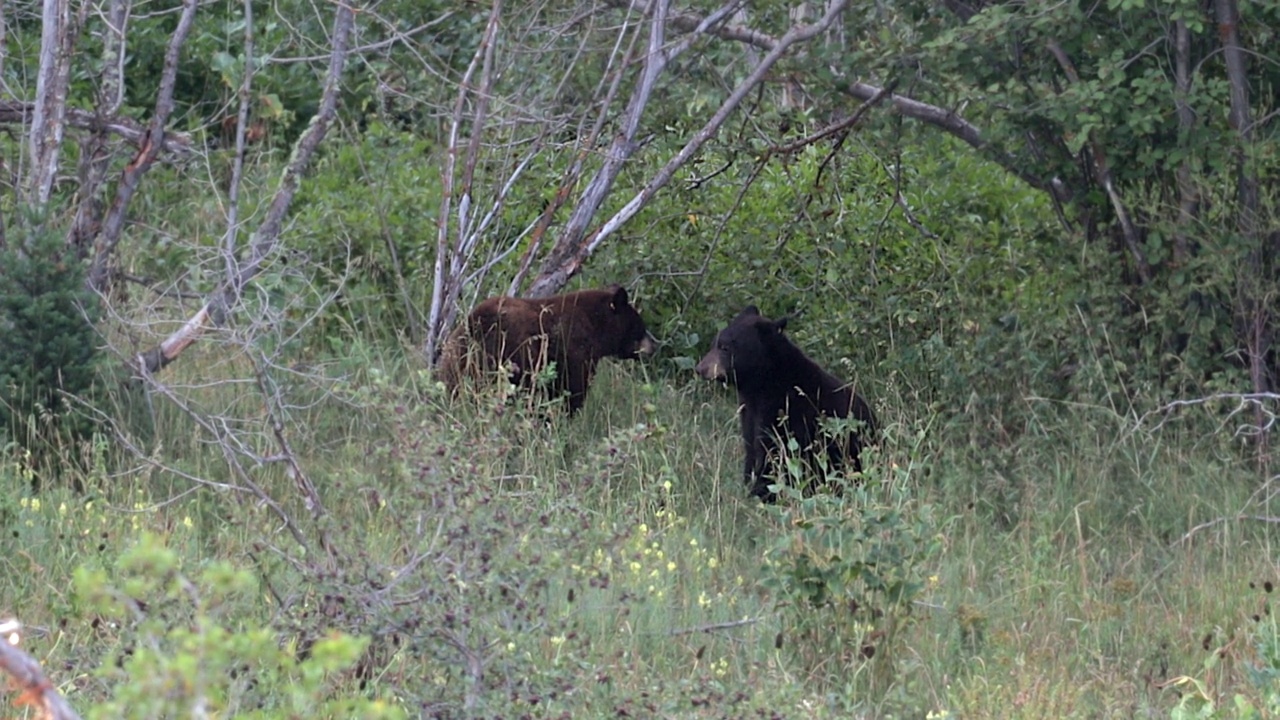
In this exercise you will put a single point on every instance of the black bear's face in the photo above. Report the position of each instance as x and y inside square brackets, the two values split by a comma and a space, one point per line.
[628, 327]
[742, 353]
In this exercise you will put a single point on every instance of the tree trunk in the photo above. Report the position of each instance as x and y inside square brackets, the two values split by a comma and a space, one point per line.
[46, 133]
[1257, 285]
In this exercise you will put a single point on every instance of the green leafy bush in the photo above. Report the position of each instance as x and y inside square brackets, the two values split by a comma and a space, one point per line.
[182, 649]
[369, 244]
[846, 567]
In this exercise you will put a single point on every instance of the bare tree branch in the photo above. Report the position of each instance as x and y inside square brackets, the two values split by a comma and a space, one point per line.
[561, 266]
[620, 150]
[840, 127]
[691, 22]
[113, 224]
[26, 672]
[95, 155]
[396, 36]
[587, 141]
[485, 222]
[264, 241]
[570, 243]
[229, 453]
[949, 121]
[715, 626]
[1219, 521]
[1256, 402]
[446, 285]
[13, 112]
[295, 471]
[244, 99]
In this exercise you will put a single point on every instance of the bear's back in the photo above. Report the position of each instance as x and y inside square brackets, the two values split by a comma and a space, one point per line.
[575, 331]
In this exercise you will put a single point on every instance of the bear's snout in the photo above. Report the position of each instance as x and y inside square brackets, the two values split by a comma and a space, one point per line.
[710, 367]
[647, 346]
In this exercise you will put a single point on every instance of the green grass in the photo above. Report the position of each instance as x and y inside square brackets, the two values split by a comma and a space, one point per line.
[501, 564]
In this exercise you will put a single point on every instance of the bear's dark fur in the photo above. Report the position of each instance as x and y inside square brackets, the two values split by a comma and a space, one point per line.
[782, 394]
[575, 331]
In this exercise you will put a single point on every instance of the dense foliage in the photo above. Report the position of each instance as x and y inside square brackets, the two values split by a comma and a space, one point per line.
[1131, 115]
[1102, 207]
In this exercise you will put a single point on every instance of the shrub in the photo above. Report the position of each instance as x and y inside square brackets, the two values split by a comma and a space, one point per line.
[845, 569]
[185, 648]
[47, 319]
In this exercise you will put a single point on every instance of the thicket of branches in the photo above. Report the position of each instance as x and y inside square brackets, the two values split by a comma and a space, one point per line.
[1125, 133]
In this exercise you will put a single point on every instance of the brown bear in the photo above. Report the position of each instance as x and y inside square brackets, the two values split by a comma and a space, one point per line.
[782, 395]
[575, 331]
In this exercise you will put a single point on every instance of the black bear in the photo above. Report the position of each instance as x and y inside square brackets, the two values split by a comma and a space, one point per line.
[782, 394]
[575, 331]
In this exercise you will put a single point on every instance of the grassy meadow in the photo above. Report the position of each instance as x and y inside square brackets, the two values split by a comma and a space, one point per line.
[486, 559]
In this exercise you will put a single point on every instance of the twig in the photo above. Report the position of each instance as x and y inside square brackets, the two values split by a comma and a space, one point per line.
[695, 183]
[602, 99]
[294, 469]
[701, 272]
[1218, 521]
[396, 36]
[456, 184]
[224, 442]
[176, 143]
[1246, 400]
[567, 250]
[714, 626]
[838, 127]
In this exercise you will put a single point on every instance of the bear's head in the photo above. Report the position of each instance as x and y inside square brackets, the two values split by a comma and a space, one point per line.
[744, 353]
[624, 328]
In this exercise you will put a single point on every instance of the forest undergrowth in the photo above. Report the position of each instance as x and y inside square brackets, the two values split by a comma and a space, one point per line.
[486, 558]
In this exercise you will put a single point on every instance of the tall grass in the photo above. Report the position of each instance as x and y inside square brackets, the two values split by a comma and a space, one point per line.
[507, 561]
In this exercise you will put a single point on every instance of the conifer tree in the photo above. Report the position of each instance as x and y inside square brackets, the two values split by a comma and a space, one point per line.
[48, 338]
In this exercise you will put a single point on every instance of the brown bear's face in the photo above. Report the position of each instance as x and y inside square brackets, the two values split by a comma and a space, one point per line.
[742, 353]
[628, 327]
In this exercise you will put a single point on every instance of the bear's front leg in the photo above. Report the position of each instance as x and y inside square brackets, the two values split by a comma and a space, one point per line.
[755, 470]
[577, 380]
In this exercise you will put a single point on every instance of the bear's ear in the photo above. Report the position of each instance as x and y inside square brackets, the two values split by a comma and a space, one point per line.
[619, 298]
[781, 323]
[749, 311]
[769, 328]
